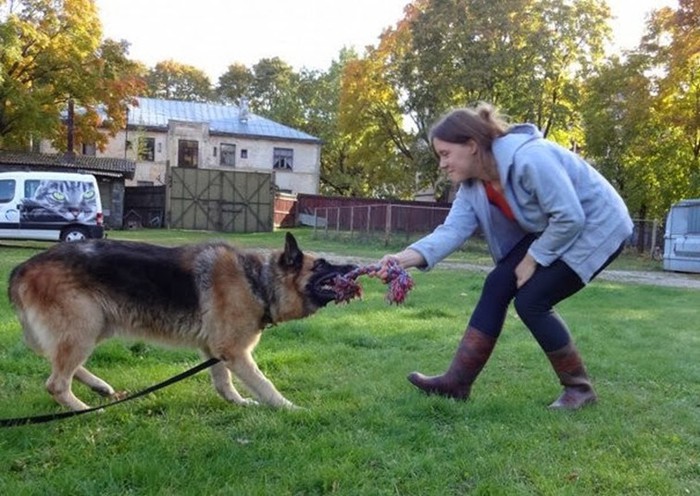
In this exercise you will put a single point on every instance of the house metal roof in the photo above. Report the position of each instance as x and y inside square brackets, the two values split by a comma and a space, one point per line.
[99, 166]
[226, 119]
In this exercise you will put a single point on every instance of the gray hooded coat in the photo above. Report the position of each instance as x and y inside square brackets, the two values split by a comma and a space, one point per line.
[577, 215]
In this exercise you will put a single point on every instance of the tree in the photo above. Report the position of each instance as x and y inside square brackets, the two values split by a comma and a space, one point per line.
[449, 53]
[378, 162]
[274, 91]
[235, 83]
[672, 42]
[51, 52]
[463, 51]
[618, 116]
[641, 115]
[172, 80]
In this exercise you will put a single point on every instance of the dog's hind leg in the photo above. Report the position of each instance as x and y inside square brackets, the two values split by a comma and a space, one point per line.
[76, 334]
[221, 378]
[93, 382]
[67, 358]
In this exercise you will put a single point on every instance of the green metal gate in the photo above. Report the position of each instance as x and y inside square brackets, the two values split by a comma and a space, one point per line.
[223, 201]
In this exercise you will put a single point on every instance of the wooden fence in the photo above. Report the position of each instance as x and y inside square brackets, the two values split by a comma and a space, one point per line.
[366, 217]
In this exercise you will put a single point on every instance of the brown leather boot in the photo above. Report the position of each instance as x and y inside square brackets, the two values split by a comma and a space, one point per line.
[578, 390]
[472, 354]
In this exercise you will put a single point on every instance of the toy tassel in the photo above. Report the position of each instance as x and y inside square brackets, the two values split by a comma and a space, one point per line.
[399, 281]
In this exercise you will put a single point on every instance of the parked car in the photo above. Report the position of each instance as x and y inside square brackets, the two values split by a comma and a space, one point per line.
[55, 206]
[682, 237]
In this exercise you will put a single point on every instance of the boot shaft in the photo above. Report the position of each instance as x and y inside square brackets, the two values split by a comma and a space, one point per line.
[472, 354]
[578, 390]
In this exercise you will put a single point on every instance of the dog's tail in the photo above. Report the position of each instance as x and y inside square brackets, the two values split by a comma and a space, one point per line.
[13, 285]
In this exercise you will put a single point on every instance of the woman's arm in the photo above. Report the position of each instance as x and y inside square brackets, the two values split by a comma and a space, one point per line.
[542, 173]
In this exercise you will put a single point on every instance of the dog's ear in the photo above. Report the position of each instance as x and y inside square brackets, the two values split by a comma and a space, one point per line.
[292, 256]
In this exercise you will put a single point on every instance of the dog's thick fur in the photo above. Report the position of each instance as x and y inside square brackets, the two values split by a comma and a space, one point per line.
[211, 296]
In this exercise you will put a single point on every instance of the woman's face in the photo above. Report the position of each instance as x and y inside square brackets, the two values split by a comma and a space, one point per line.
[459, 161]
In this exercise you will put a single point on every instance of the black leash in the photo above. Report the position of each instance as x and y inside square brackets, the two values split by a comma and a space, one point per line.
[41, 419]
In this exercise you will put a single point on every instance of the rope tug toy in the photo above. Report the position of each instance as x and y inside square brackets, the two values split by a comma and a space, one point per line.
[399, 281]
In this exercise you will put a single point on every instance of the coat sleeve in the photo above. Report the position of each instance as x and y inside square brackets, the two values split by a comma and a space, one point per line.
[551, 191]
[459, 225]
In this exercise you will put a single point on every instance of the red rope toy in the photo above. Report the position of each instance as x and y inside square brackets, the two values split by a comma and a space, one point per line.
[399, 281]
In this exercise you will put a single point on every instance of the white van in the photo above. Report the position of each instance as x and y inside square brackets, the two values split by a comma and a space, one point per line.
[50, 206]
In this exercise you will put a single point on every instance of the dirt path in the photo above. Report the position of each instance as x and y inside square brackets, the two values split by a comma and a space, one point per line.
[668, 279]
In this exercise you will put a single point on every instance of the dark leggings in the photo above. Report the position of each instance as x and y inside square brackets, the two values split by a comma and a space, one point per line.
[534, 301]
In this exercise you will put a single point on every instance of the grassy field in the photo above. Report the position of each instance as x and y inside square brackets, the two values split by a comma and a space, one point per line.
[364, 430]
[356, 246]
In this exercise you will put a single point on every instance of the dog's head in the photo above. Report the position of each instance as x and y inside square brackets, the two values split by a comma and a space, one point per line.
[312, 277]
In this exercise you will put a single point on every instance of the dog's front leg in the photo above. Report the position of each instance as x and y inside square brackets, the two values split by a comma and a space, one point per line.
[247, 371]
[221, 377]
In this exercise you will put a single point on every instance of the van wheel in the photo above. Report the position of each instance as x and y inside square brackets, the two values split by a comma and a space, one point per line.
[73, 234]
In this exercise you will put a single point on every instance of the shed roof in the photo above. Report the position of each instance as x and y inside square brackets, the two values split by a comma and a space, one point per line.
[99, 166]
[226, 119]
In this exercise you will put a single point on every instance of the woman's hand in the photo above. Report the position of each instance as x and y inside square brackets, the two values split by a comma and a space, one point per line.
[524, 270]
[406, 259]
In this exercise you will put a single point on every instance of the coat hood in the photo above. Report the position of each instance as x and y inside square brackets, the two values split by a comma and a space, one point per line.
[504, 148]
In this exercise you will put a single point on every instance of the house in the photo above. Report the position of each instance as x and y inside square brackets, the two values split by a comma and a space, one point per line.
[163, 133]
[111, 175]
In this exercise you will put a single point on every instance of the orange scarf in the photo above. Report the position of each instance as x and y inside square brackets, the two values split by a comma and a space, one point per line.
[497, 199]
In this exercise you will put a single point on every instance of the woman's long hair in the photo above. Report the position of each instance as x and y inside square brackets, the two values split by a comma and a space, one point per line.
[482, 123]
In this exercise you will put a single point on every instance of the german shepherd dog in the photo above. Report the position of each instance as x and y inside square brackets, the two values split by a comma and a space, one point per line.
[212, 296]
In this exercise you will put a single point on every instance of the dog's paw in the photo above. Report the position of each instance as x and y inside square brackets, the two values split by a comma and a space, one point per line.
[247, 402]
[119, 395]
[288, 405]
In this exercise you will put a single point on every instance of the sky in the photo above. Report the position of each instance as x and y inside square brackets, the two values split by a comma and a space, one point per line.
[212, 34]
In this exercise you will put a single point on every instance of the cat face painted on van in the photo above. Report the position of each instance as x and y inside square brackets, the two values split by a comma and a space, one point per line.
[60, 201]
[50, 206]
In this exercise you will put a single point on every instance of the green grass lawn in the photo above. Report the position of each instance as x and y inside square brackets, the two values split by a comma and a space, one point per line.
[364, 430]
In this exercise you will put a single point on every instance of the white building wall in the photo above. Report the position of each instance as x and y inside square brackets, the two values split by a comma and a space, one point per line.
[251, 154]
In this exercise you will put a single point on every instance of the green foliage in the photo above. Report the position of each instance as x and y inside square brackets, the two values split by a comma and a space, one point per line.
[364, 430]
[472, 50]
[172, 80]
[378, 162]
[641, 118]
[235, 83]
[274, 90]
[445, 54]
[51, 52]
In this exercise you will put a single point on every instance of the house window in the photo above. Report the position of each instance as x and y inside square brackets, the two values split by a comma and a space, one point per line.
[228, 154]
[244, 153]
[187, 153]
[147, 149]
[283, 158]
[89, 149]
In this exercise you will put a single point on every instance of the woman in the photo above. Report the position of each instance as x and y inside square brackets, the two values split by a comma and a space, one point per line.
[552, 223]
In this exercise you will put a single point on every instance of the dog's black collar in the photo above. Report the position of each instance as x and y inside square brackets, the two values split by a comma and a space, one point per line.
[267, 320]
[258, 275]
